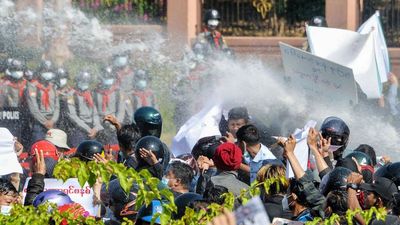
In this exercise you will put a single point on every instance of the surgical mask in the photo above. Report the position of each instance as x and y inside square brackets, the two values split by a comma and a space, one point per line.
[5, 209]
[141, 84]
[285, 203]
[213, 23]
[334, 148]
[83, 86]
[47, 75]
[121, 61]
[165, 181]
[63, 82]
[108, 82]
[17, 74]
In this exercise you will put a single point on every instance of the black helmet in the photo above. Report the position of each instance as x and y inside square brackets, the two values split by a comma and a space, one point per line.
[318, 21]
[206, 146]
[335, 180]
[390, 171]
[87, 149]
[211, 14]
[62, 77]
[361, 158]
[15, 69]
[83, 80]
[183, 201]
[150, 143]
[149, 121]
[146, 213]
[336, 129]
[46, 71]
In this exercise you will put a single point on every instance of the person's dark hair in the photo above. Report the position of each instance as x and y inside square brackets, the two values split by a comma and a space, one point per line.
[337, 201]
[128, 135]
[182, 171]
[199, 205]
[238, 113]
[214, 194]
[249, 134]
[369, 150]
[296, 188]
[7, 187]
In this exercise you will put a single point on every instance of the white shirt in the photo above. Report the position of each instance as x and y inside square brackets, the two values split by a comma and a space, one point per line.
[257, 162]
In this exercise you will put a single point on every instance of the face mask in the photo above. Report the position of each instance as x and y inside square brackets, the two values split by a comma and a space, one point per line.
[141, 84]
[334, 148]
[212, 23]
[285, 203]
[121, 61]
[165, 181]
[47, 76]
[63, 82]
[83, 87]
[5, 209]
[17, 74]
[108, 82]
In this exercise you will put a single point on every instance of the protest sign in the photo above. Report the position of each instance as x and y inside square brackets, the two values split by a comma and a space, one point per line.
[71, 187]
[319, 79]
[301, 150]
[11, 118]
[252, 213]
[282, 221]
[374, 26]
[8, 158]
[350, 49]
[203, 124]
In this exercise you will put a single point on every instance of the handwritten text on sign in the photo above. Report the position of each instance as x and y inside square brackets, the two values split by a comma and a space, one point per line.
[71, 187]
[317, 78]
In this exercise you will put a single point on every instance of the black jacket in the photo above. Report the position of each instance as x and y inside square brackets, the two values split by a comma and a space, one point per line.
[273, 206]
[35, 187]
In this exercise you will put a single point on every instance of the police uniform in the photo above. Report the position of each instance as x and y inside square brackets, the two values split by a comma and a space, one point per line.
[137, 99]
[125, 78]
[13, 92]
[83, 114]
[214, 39]
[109, 102]
[44, 105]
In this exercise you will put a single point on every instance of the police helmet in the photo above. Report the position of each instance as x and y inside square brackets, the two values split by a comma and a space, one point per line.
[15, 69]
[211, 14]
[46, 70]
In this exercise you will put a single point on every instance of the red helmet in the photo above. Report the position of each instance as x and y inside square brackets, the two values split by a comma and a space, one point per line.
[49, 150]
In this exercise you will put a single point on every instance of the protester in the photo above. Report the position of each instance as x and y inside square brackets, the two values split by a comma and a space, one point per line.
[178, 177]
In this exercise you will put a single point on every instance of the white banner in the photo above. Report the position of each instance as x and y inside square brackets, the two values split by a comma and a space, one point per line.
[373, 25]
[71, 187]
[319, 79]
[301, 149]
[203, 124]
[350, 49]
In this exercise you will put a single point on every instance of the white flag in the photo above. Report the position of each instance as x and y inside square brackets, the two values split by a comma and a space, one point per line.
[374, 26]
[350, 49]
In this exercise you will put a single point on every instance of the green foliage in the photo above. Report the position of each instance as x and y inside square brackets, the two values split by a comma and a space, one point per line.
[21, 215]
[367, 215]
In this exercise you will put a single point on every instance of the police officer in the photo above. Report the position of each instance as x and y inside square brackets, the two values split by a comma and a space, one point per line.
[124, 73]
[210, 34]
[43, 101]
[63, 91]
[142, 95]
[82, 111]
[109, 100]
[13, 84]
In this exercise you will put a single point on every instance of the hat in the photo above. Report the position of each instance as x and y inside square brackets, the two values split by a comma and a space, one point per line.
[57, 137]
[382, 186]
[228, 157]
